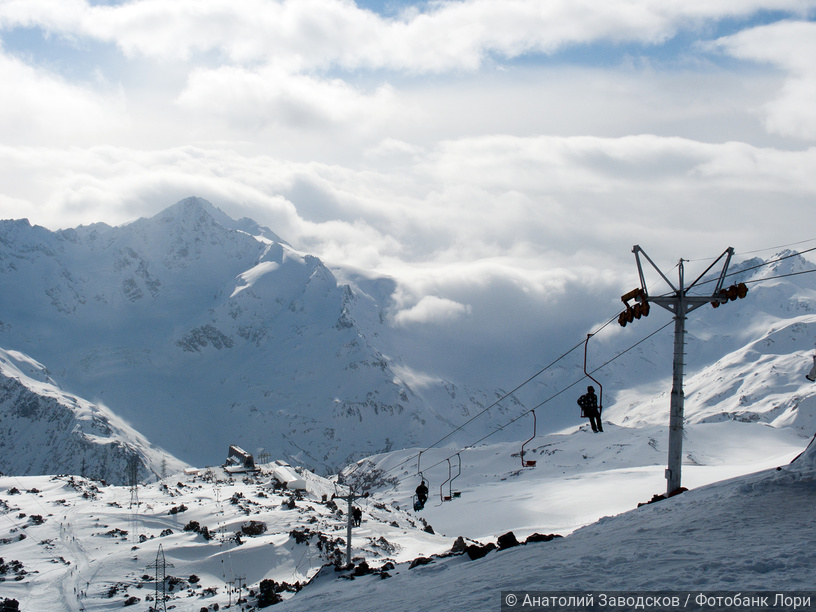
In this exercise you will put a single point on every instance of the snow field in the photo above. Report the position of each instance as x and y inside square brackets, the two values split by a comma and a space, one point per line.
[89, 544]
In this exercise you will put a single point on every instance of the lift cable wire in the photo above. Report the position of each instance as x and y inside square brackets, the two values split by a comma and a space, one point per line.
[762, 280]
[494, 404]
[756, 267]
[577, 381]
[498, 401]
[549, 399]
[781, 246]
[771, 261]
[531, 378]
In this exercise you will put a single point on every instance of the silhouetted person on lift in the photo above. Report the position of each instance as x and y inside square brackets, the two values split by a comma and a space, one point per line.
[590, 409]
[422, 495]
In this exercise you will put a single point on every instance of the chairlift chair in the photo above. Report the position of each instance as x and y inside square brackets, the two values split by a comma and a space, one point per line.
[531, 462]
[455, 494]
[416, 505]
[600, 386]
[451, 493]
[415, 500]
[442, 497]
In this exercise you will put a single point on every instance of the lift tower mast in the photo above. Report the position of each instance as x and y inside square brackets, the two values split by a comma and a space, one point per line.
[679, 302]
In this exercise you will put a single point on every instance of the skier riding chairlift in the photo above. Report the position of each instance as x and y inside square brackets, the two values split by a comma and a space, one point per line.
[591, 405]
[421, 495]
[591, 410]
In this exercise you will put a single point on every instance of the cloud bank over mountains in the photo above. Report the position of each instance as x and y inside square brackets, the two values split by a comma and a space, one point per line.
[466, 149]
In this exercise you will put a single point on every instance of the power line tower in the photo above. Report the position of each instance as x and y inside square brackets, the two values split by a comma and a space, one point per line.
[160, 565]
[240, 580]
[133, 480]
[679, 302]
[229, 592]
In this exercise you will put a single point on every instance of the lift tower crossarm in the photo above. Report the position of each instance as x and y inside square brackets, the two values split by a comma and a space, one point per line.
[637, 251]
[692, 302]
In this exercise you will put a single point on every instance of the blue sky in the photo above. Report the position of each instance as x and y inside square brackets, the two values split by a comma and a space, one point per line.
[77, 57]
[461, 147]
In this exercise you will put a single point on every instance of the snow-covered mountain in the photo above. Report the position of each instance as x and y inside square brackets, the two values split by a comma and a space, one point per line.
[202, 331]
[44, 430]
[750, 409]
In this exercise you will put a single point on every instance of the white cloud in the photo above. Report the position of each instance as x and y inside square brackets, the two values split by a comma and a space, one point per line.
[791, 46]
[532, 201]
[432, 309]
[37, 107]
[252, 99]
[64, 187]
[279, 76]
[54, 15]
[414, 379]
[309, 34]
[395, 149]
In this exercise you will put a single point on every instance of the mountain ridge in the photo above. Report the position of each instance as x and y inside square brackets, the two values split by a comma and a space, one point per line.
[203, 335]
[196, 332]
[44, 430]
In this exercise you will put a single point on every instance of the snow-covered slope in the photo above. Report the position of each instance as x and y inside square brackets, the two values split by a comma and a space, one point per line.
[750, 533]
[578, 478]
[44, 430]
[69, 543]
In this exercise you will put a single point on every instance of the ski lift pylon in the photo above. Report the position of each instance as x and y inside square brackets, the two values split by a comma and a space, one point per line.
[811, 376]
[532, 462]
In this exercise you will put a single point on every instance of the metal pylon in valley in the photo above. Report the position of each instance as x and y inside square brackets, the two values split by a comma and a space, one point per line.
[160, 565]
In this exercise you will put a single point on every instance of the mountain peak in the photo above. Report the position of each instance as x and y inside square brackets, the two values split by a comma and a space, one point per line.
[190, 208]
[199, 209]
[784, 263]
